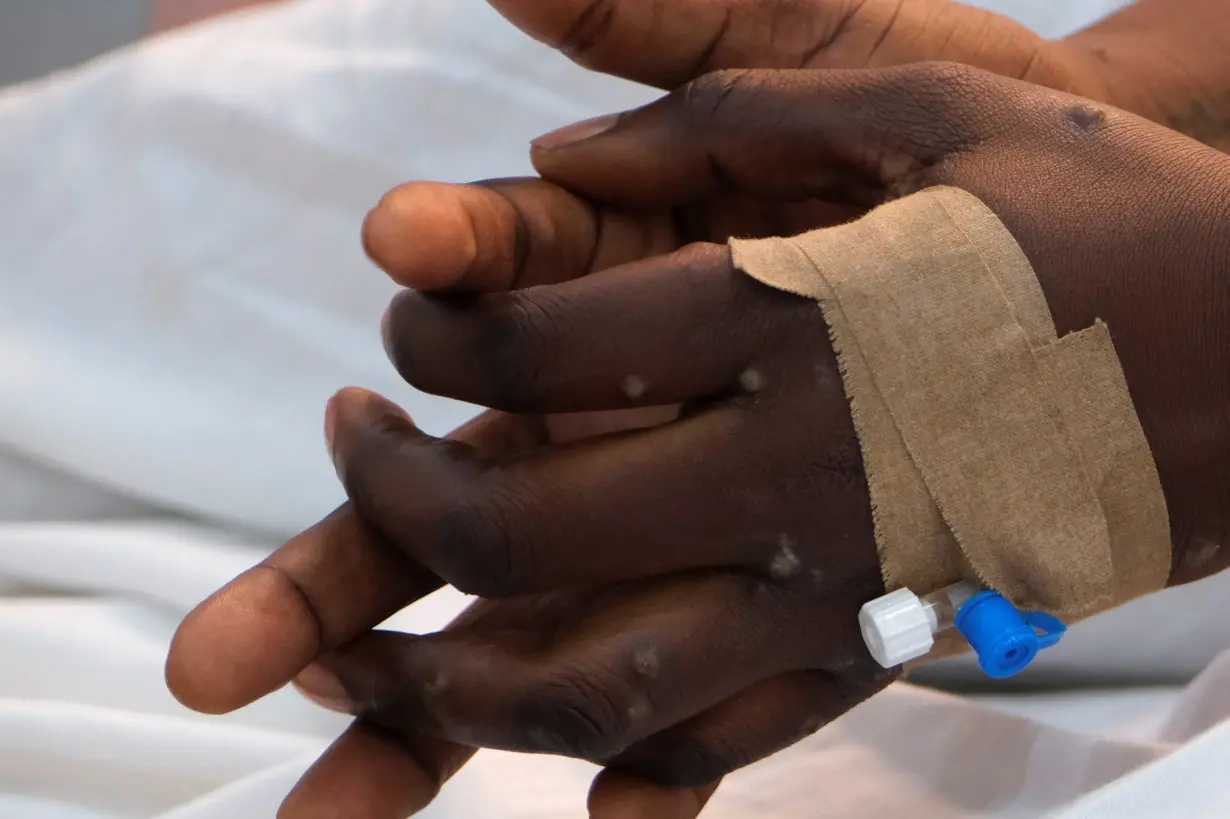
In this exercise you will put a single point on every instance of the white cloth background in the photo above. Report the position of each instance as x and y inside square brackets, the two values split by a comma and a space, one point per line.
[181, 288]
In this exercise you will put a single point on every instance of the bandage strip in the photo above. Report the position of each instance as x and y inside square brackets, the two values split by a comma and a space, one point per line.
[994, 451]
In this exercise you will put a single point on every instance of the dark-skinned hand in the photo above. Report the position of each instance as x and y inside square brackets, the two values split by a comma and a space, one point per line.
[682, 600]
[303, 602]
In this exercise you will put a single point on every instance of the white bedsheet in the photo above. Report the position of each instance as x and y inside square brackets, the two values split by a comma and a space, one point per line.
[181, 287]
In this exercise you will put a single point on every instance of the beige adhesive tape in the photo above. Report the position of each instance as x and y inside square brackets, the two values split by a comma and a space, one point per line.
[994, 451]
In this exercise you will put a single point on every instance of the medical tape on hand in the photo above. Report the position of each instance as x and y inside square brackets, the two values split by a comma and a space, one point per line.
[994, 451]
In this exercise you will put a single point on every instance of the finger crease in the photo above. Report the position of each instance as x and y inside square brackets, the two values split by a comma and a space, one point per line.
[701, 64]
[589, 28]
[521, 245]
[888, 29]
[599, 217]
[438, 776]
[840, 29]
[323, 639]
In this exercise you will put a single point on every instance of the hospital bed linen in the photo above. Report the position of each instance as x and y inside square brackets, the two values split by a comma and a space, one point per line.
[181, 287]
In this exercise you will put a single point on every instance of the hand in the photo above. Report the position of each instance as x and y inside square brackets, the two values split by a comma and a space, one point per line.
[669, 43]
[734, 545]
[261, 631]
[338, 580]
[1168, 60]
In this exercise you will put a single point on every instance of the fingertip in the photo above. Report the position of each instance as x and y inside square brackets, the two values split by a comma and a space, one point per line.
[352, 403]
[619, 796]
[365, 774]
[321, 686]
[241, 644]
[422, 236]
[425, 339]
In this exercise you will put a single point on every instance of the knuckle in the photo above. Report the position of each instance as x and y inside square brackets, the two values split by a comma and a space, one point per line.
[950, 79]
[581, 713]
[929, 112]
[958, 98]
[949, 98]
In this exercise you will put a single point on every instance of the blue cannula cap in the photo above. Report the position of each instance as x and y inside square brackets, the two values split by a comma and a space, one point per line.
[1006, 639]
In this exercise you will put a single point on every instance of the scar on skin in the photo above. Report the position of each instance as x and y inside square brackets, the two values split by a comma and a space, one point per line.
[824, 375]
[541, 739]
[646, 663]
[811, 726]
[752, 380]
[786, 562]
[437, 686]
[634, 387]
[1201, 552]
[1086, 117]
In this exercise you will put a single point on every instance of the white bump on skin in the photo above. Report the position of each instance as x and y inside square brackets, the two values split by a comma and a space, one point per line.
[810, 727]
[646, 663]
[1201, 552]
[634, 387]
[786, 563]
[638, 710]
[752, 380]
[438, 685]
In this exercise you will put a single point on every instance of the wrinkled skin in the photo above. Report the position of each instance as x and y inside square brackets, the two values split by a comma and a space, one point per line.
[679, 602]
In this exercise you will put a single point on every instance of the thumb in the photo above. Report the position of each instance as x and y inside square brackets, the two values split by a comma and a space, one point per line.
[847, 137]
[666, 43]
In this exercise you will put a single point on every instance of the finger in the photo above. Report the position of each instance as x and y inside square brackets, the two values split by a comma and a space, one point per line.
[253, 635]
[503, 235]
[260, 630]
[369, 774]
[664, 330]
[752, 725]
[668, 43]
[851, 137]
[711, 499]
[624, 671]
[616, 795]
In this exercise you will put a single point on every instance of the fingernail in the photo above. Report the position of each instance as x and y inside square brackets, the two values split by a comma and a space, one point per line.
[331, 427]
[576, 133]
[325, 689]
